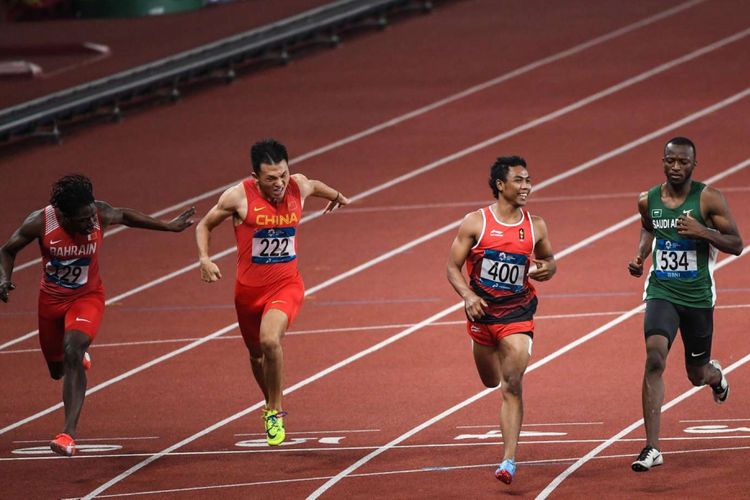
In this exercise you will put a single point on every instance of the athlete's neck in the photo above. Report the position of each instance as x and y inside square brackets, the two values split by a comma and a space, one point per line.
[676, 192]
[507, 213]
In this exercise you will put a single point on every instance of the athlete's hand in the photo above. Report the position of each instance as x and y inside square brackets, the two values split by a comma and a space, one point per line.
[540, 270]
[5, 288]
[688, 226]
[340, 201]
[182, 221]
[210, 271]
[474, 306]
[635, 267]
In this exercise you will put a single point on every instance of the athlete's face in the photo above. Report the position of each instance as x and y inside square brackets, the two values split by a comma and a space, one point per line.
[679, 162]
[81, 221]
[273, 180]
[517, 186]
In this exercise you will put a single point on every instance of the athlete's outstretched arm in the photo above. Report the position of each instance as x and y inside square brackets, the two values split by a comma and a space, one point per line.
[645, 242]
[30, 230]
[468, 234]
[133, 218]
[724, 235]
[544, 258]
[318, 189]
[228, 205]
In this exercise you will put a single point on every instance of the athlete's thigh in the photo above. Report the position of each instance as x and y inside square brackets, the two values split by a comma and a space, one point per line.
[51, 321]
[515, 352]
[249, 304]
[661, 318]
[487, 363]
[696, 329]
[85, 315]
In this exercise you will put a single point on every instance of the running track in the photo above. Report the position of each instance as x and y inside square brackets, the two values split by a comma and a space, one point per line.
[382, 393]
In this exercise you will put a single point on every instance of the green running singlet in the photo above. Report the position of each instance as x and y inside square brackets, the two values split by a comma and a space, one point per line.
[682, 268]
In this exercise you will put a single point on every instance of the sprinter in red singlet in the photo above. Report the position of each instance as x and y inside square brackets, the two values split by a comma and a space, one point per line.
[266, 210]
[71, 295]
[503, 245]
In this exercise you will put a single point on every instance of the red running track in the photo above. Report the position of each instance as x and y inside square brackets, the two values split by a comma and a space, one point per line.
[408, 413]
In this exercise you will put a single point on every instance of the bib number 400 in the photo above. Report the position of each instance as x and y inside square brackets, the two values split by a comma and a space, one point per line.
[504, 272]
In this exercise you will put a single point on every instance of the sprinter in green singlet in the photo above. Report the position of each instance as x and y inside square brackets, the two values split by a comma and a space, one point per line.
[684, 224]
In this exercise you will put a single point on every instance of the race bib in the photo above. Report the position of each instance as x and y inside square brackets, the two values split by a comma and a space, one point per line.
[675, 259]
[271, 246]
[72, 273]
[502, 270]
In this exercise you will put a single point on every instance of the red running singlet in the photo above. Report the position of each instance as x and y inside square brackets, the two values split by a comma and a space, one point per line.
[70, 262]
[498, 267]
[266, 239]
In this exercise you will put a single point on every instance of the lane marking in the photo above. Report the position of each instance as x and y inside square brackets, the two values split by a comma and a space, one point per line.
[617, 437]
[430, 107]
[446, 468]
[48, 455]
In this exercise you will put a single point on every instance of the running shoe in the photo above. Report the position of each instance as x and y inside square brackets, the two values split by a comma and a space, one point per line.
[86, 360]
[506, 470]
[649, 457]
[63, 445]
[274, 422]
[721, 391]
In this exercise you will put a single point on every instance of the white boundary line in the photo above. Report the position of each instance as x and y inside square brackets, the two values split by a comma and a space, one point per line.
[593, 453]
[430, 107]
[379, 346]
[356, 329]
[386, 473]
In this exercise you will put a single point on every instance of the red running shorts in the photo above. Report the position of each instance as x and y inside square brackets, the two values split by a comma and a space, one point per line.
[57, 316]
[490, 334]
[252, 303]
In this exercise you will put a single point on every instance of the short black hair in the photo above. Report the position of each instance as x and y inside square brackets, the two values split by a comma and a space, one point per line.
[268, 151]
[499, 171]
[681, 141]
[72, 192]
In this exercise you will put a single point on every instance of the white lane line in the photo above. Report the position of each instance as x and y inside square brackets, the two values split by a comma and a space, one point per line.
[89, 454]
[430, 107]
[355, 329]
[434, 469]
[617, 437]
[595, 333]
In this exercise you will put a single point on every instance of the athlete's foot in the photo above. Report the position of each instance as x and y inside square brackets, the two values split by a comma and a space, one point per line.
[86, 361]
[274, 423]
[506, 470]
[649, 457]
[63, 445]
[721, 391]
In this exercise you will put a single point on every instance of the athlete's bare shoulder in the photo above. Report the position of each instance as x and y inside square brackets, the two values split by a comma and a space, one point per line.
[33, 225]
[472, 224]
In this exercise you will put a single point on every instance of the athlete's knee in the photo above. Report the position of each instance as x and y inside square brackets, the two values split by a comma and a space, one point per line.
[269, 344]
[656, 362]
[512, 385]
[74, 347]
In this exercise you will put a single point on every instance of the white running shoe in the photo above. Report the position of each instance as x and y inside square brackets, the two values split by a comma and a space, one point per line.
[721, 392]
[649, 457]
